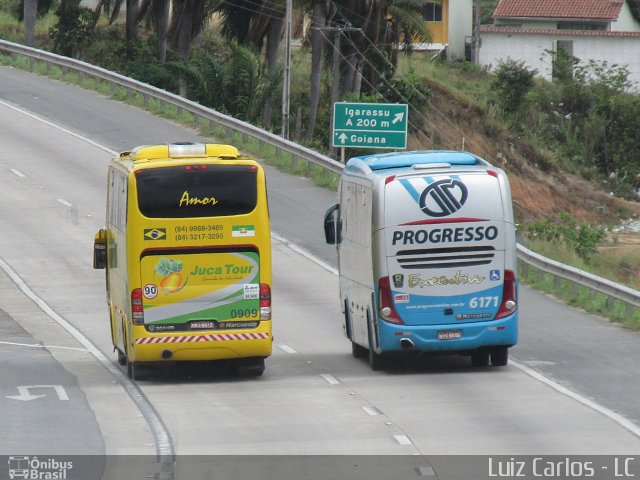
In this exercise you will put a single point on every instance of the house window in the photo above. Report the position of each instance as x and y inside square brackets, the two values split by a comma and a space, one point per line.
[432, 12]
[582, 26]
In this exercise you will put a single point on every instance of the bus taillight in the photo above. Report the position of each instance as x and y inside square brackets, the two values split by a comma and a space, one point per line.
[137, 312]
[508, 305]
[265, 302]
[385, 302]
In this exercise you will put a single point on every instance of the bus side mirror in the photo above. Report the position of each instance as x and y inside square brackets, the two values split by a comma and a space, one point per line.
[330, 230]
[100, 249]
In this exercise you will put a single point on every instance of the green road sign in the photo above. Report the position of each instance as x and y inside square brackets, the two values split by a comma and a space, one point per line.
[369, 125]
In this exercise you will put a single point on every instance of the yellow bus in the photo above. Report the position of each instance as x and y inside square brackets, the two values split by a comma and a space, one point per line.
[187, 253]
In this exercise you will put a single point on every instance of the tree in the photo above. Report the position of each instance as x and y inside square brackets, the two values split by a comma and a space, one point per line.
[30, 13]
[322, 12]
[75, 28]
[513, 80]
[27, 12]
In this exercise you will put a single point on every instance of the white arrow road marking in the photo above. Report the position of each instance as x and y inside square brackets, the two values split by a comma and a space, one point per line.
[26, 396]
[398, 118]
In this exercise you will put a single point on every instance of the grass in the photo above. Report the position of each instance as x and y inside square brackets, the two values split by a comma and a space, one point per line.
[582, 297]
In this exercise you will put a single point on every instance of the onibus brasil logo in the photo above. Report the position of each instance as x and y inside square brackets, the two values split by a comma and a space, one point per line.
[34, 468]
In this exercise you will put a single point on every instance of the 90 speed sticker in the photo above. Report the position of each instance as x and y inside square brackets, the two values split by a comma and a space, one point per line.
[150, 291]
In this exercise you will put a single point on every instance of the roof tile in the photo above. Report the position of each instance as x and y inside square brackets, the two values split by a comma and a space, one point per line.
[587, 9]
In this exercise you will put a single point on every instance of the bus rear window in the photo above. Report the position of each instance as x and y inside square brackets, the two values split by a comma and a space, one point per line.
[197, 191]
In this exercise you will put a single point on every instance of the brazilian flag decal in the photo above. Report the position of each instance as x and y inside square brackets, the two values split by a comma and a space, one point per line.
[155, 233]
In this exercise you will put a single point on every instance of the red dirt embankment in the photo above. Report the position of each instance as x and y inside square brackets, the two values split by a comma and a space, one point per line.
[540, 190]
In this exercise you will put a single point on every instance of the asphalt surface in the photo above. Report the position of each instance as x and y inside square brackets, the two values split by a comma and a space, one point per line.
[580, 351]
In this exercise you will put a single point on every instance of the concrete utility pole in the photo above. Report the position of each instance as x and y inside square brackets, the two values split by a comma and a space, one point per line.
[286, 83]
[477, 11]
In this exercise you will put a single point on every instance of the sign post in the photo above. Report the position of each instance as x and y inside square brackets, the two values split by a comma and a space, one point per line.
[369, 125]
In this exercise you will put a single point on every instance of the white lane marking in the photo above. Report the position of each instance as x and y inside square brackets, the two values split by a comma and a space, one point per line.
[373, 411]
[616, 417]
[425, 472]
[18, 173]
[330, 379]
[25, 395]
[42, 346]
[64, 202]
[622, 421]
[164, 446]
[57, 127]
[402, 439]
[305, 253]
[286, 348]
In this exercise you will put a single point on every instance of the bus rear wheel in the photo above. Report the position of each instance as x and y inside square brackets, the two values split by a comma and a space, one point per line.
[250, 367]
[480, 358]
[122, 358]
[376, 360]
[499, 356]
[358, 351]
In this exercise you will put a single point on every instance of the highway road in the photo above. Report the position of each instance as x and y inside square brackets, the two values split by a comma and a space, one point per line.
[572, 388]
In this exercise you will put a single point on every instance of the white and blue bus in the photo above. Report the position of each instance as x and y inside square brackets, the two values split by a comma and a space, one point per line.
[427, 256]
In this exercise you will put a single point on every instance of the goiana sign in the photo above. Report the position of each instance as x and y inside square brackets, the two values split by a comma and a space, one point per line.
[369, 125]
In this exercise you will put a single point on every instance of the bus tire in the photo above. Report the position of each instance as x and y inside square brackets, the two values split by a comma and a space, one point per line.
[250, 367]
[131, 370]
[122, 358]
[376, 360]
[358, 351]
[499, 356]
[480, 358]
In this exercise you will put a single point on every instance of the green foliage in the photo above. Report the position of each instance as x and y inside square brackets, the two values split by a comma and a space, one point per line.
[230, 80]
[583, 238]
[512, 82]
[242, 83]
[409, 89]
[74, 30]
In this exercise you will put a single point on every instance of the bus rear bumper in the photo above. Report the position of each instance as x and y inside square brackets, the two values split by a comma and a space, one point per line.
[202, 346]
[450, 337]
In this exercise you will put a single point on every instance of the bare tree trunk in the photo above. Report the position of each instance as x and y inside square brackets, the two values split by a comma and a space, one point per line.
[30, 13]
[274, 36]
[131, 27]
[162, 28]
[320, 15]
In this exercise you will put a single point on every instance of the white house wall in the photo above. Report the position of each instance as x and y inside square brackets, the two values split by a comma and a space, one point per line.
[626, 22]
[531, 47]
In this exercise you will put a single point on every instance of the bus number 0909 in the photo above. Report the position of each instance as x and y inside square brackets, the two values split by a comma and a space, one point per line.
[243, 313]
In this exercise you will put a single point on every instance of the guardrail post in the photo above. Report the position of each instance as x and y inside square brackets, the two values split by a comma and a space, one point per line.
[628, 310]
[610, 302]
[32, 62]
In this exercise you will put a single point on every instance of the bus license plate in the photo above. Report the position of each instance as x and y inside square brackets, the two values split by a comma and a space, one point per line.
[203, 325]
[449, 334]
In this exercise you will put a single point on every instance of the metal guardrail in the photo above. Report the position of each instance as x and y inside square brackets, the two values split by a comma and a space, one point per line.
[527, 258]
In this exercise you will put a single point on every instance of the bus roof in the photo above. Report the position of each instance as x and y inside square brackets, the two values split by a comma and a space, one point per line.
[429, 159]
[149, 153]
